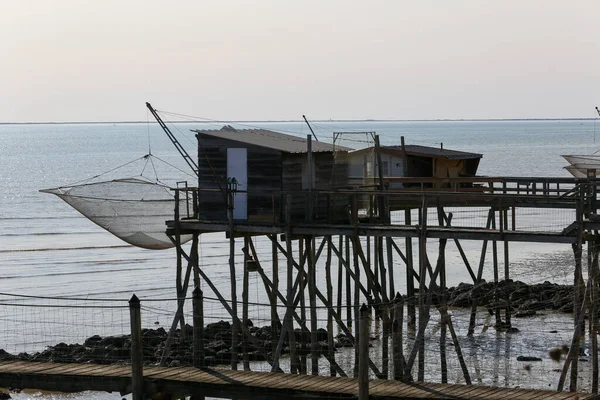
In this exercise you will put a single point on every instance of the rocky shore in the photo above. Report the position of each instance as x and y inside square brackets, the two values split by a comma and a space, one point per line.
[525, 301]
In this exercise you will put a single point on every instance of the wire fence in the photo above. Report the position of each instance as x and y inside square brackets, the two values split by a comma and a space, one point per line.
[98, 331]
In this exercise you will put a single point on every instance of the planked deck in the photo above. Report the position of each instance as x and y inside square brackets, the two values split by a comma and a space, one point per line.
[242, 384]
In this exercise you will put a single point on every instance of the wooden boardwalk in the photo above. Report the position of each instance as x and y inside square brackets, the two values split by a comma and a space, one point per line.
[242, 384]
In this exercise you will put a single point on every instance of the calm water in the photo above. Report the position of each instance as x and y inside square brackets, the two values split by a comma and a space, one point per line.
[48, 249]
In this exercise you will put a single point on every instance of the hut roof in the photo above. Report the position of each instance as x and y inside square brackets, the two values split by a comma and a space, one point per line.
[270, 139]
[426, 151]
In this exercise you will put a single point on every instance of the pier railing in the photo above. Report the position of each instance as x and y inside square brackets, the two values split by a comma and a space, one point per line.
[542, 204]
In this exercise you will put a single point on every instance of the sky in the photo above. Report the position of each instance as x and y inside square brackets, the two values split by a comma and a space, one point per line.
[84, 60]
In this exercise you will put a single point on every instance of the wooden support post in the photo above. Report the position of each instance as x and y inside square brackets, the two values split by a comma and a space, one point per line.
[479, 276]
[390, 263]
[232, 276]
[508, 310]
[368, 239]
[572, 356]
[441, 294]
[422, 272]
[294, 367]
[338, 319]
[178, 272]
[275, 330]
[579, 311]
[397, 338]
[257, 343]
[578, 303]
[330, 343]
[410, 283]
[593, 313]
[355, 305]
[137, 352]
[245, 296]
[448, 322]
[179, 312]
[340, 277]
[384, 312]
[195, 258]
[198, 310]
[495, 265]
[348, 288]
[303, 280]
[363, 369]
[312, 300]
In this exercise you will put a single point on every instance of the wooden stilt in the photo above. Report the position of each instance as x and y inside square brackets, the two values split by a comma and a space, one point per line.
[508, 310]
[245, 357]
[578, 303]
[397, 338]
[312, 282]
[423, 318]
[390, 263]
[198, 312]
[340, 276]
[330, 343]
[495, 265]
[385, 312]
[348, 288]
[337, 317]
[180, 304]
[302, 272]
[255, 342]
[448, 322]
[368, 241]
[479, 276]
[232, 276]
[572, 356]
[356, 303]
[410, 283]
[294, 367]
[275, 331]
[593, 312]
[441, 293]
[363, 370]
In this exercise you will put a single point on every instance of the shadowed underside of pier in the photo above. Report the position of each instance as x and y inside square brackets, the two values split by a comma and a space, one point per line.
[237, 384]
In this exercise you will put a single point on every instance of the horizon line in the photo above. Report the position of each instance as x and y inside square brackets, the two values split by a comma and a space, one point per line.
[298, 120]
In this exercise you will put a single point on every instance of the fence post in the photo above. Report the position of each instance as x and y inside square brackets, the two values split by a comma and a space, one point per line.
[397, 344]
[137, 372]
[363, 354]
[198, 337]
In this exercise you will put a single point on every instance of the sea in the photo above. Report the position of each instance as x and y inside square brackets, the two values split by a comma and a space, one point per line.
[51, 252]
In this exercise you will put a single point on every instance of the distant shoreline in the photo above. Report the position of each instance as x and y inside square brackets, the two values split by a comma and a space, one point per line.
[295, 120]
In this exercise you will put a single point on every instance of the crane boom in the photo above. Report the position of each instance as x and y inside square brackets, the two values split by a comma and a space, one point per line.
[189, 160]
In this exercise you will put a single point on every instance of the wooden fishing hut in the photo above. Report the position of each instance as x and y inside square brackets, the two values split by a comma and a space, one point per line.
[415, 161]
[367, 251]
[260, 164]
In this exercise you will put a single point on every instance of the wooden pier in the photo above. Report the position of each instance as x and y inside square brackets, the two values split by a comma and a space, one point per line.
[190, 381]
[364, 241]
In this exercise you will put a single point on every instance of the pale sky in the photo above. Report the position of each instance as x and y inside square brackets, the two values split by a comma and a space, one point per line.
[89, 60]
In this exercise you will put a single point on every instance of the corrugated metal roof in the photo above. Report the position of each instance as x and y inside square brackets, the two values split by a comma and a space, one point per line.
[423, 151]
[437, 152]
[270, 139]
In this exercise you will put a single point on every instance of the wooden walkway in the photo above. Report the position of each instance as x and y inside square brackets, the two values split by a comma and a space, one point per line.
[242, 384]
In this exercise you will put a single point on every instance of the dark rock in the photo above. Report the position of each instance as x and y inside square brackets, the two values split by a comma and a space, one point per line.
[92, 341]
[211, 330]
[528, 358]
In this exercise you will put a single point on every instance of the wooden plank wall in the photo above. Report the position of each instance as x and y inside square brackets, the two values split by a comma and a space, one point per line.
[264, 175]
